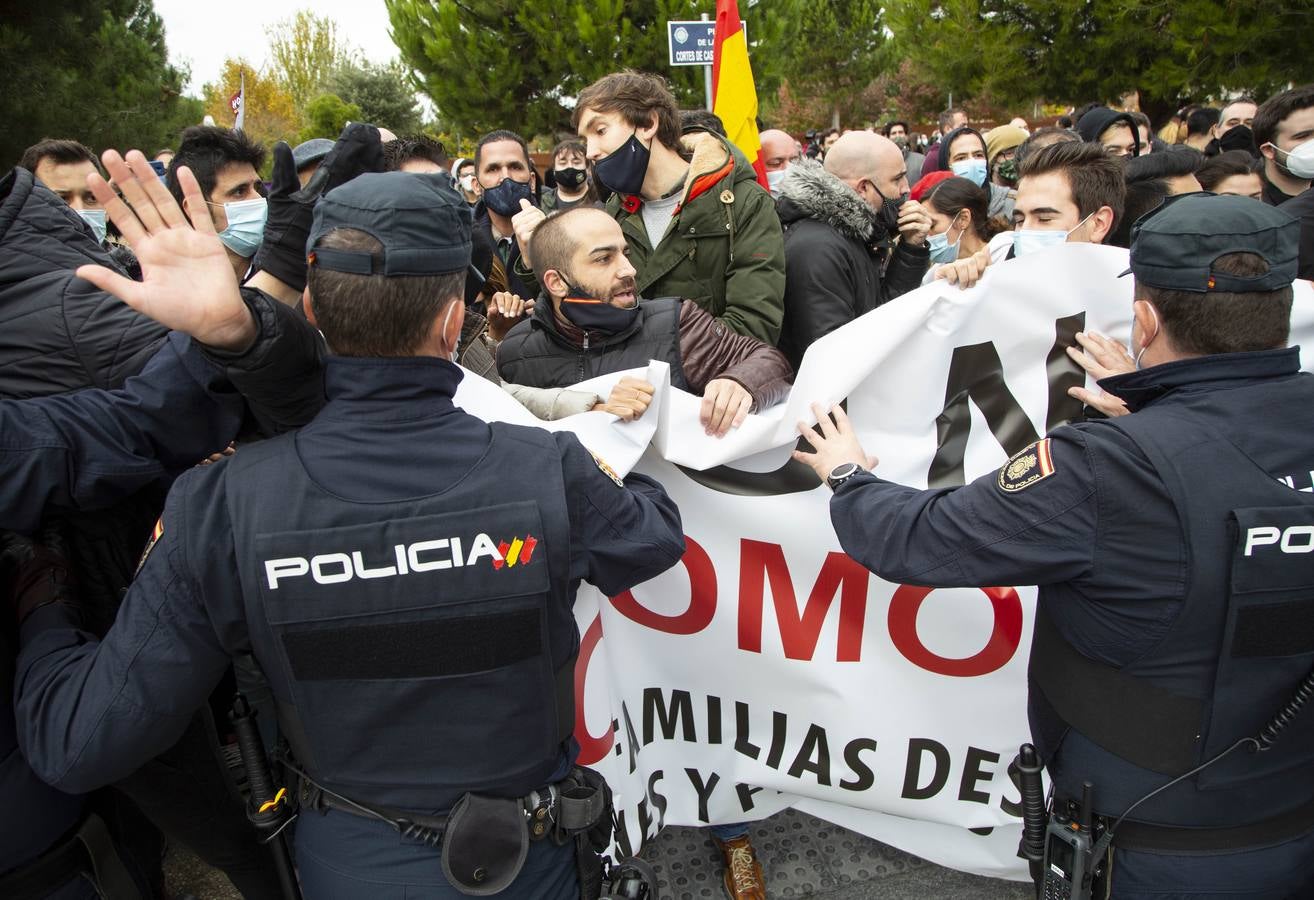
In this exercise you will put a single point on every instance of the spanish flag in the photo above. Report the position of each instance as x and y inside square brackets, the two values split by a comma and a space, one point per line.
[734, 98]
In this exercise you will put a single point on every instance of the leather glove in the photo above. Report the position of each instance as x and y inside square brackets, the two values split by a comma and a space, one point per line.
[282, 253]
[38, 574]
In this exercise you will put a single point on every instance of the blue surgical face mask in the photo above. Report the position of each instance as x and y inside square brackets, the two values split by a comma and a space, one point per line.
[941, 250]
[1028, 241]
[974, 170]
[246, 226]
[96, 219]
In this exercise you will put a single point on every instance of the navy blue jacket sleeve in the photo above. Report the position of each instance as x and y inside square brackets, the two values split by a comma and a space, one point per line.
[90, 712]
[983, 534]
[282, 374]
[622, 534]
[92, 448]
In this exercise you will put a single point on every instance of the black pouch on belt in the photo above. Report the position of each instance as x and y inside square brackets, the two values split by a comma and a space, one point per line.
[599, 833]
[485, 844]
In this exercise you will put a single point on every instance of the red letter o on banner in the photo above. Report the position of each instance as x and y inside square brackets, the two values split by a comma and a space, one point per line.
[702, 597]
[591, 749]
[1003, 643]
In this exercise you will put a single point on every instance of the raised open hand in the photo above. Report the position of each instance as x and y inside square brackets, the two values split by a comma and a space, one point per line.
[187, 280]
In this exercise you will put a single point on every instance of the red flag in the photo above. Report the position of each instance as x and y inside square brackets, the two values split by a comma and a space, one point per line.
[734, 97]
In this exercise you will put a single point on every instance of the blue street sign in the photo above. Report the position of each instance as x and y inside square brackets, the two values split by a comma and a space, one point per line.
[693, 43]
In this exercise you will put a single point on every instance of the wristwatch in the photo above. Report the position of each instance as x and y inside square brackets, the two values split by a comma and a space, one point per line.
[842, 473]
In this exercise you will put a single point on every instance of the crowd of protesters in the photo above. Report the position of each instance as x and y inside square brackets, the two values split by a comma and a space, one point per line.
[642, 203]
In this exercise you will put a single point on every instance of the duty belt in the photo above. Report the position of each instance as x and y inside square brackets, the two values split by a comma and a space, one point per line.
[1146, 836]
[562, 810]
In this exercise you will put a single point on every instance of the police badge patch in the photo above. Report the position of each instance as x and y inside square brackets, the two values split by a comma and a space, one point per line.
[606, 469]
[1027, 467]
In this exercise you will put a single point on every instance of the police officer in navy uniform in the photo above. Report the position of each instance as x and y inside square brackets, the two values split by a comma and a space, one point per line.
[1172, 557]
[402, 571]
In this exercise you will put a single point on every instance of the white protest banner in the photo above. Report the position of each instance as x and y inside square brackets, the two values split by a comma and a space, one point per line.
[770, 670]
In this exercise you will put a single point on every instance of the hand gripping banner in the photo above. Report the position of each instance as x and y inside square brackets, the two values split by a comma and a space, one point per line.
[770, 670]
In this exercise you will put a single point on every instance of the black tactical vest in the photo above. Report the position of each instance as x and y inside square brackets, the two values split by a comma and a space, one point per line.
[1235, 654]
[534, 354]
[417, 649]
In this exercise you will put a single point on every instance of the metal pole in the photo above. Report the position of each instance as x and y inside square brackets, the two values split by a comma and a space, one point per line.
[707, 75]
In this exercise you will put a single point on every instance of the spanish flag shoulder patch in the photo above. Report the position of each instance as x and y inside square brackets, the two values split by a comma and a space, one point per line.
[1027, 467]
[156, 533]
[606, 469]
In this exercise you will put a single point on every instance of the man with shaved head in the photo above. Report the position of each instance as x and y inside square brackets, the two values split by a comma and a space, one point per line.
[779, 152]
[591, 321]
[853, 239]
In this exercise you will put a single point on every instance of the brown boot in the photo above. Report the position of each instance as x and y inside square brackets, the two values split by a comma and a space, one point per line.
[743, 873]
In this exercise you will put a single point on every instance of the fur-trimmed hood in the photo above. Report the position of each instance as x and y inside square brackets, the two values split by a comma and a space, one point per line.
[810, 192]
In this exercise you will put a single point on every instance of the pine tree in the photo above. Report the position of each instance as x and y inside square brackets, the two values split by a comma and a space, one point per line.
[1078, 51]
[96, 71]
[518, 64]
[384, 94]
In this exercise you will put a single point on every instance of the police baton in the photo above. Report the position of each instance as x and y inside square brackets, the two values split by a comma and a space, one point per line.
[267, 806]
[1034, 818]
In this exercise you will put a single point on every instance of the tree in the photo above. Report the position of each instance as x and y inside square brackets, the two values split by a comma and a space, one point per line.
[1080, 50]
[384, 94]
[906, 93]
[270, 114]
[305, 50]
[93, 70]
[845, 50]
[327, 115]
[519, 63]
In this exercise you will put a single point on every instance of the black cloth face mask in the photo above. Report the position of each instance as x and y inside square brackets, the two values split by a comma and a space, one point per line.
[888, 215]
[623, 169]
[586, 311]
[570, 179]
[505, 198]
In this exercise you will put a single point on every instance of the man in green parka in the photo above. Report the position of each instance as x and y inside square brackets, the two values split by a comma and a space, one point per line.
[697, 224]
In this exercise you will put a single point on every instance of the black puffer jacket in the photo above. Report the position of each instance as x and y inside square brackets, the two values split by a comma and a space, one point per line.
[838, 261]
[59, 333]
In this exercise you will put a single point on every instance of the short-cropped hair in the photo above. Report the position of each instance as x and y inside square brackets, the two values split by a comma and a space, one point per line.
[1094, 177]
[1224, 321]
[376, 315]
[553, 244]
[62, 152]
[417, 146]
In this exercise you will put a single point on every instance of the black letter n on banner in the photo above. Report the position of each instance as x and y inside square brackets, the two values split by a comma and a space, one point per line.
[976, 374]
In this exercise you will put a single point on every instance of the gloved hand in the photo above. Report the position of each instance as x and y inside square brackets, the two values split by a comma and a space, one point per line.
[37, 574]
[282, 253]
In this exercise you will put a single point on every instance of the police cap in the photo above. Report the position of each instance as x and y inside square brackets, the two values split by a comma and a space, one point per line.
[311, 151]
[1174, 246]
[420, 219]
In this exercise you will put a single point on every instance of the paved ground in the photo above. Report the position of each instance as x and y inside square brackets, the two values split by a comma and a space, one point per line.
[801, 855]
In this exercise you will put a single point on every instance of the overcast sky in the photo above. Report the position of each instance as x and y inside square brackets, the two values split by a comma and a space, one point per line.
[203, 35]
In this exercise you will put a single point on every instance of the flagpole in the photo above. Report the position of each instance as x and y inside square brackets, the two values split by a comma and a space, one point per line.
[707, 76]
